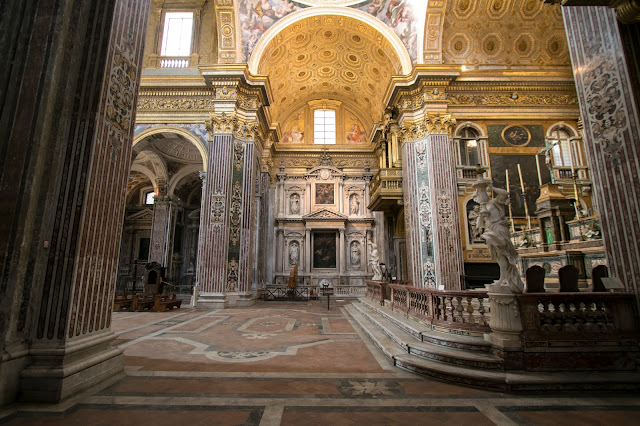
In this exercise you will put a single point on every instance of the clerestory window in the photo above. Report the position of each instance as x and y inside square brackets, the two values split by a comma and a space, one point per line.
[177, 34]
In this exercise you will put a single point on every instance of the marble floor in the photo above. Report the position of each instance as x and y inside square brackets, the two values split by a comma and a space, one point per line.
[292, 363]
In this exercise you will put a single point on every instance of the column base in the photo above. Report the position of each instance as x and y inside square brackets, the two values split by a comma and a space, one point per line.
[57, 373]
[14, 360]
[225, 300]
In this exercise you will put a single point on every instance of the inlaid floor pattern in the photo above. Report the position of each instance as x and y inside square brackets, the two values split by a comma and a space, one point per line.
[292, 363]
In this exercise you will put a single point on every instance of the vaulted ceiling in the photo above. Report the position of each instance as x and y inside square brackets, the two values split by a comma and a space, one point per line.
[329, 57]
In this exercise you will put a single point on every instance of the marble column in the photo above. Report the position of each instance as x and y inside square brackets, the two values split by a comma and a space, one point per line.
[308, 254]
[342, 252]
[225, 260]
[611, 127]
[431, 208]
[64, 169]
[161, 231]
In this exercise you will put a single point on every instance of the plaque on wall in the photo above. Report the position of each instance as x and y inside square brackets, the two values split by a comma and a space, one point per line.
[325, 193]
[516, 135]
[324, 250]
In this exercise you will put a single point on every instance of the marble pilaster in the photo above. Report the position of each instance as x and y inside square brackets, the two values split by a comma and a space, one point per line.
[610, 136]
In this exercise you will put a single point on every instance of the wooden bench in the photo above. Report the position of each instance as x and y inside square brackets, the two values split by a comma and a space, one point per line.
[166, 301]
[143, 302]
[123, 302]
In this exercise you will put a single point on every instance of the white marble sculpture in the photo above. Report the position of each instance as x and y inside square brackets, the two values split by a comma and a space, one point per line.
[496, 234]
[374, 259]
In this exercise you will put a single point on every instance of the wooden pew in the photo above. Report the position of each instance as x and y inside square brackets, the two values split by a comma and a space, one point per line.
[123, 302]
[166, 301]
[143, 302]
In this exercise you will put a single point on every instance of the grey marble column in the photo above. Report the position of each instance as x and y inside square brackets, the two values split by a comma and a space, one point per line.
[610, 135]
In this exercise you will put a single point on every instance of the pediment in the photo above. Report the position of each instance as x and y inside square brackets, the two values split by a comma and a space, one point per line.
[145, 215]
[325, 214]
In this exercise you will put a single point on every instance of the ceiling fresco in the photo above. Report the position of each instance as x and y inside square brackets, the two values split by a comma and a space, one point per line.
[404, 17]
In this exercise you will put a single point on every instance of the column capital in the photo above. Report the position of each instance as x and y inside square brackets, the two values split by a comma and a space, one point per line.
[430, 124]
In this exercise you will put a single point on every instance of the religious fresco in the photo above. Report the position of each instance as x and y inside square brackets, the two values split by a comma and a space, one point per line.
[324, 250]
[354, 130]
[324, 193]
[404, 17]
[294, 130]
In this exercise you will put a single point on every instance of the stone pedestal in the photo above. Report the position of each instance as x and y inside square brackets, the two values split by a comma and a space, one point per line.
[505, 322]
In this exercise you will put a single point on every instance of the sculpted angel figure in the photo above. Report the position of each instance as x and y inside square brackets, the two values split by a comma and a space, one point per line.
[496, 235]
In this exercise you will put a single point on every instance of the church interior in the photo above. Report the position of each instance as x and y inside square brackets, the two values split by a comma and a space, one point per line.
[320, 211]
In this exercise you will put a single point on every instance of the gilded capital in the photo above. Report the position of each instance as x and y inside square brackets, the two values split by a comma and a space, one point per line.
[224, 123]
[440, 124]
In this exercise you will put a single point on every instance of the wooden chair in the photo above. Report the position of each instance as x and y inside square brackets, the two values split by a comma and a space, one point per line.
[293, 281]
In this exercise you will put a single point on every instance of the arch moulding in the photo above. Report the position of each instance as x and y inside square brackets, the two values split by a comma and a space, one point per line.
[202, 149]
[381, 27]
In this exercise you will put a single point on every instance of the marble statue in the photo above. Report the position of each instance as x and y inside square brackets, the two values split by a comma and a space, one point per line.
[355, 254]
[497, 237]
[294, 253]
[374, 259]
[355, 204]
[295, 204]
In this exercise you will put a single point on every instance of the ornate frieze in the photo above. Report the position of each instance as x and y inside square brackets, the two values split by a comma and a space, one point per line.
[166, 102]
[512, 99]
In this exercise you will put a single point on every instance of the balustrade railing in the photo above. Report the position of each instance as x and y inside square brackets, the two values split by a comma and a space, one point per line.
[548, 316]
[468, 310]
[375, 291]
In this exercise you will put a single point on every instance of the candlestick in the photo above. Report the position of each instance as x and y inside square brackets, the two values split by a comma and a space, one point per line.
[513, 228]
[524, 198]
[574, 176]
[538, 169]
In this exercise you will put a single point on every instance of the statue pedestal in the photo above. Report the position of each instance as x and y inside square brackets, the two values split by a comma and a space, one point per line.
[505, 322]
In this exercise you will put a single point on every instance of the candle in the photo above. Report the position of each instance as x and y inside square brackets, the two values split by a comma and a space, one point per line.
[521, 182]
[538, 169]
[513, 229]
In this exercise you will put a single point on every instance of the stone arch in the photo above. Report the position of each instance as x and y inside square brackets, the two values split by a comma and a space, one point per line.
[202, 148]
[388, 33]
[182, 173]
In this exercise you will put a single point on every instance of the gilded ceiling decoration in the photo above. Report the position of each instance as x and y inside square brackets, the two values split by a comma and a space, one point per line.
[504, 32]
[329, 57]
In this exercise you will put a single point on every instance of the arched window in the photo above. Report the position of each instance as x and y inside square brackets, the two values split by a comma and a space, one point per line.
[469, 141]
[559, 137]
[324, 126]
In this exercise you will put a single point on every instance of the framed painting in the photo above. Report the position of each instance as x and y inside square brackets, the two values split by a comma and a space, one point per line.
[324, 250]
[325, 193]
[516, 135]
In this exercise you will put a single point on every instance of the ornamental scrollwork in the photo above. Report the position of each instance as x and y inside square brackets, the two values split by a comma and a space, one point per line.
[224, 123]
[236, 213]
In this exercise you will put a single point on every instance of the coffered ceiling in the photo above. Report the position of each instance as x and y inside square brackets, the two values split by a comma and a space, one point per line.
[329, 57]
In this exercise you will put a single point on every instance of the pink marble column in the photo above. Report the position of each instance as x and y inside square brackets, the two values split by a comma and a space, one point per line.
[431, 208]
[63, 190]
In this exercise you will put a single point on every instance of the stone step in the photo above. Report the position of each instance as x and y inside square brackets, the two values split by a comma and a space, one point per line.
[458, 340]
[491, 378]
[426, 350]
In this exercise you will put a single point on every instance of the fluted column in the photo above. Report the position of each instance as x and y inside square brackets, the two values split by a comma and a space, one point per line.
[431, 208]
[610, 134]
